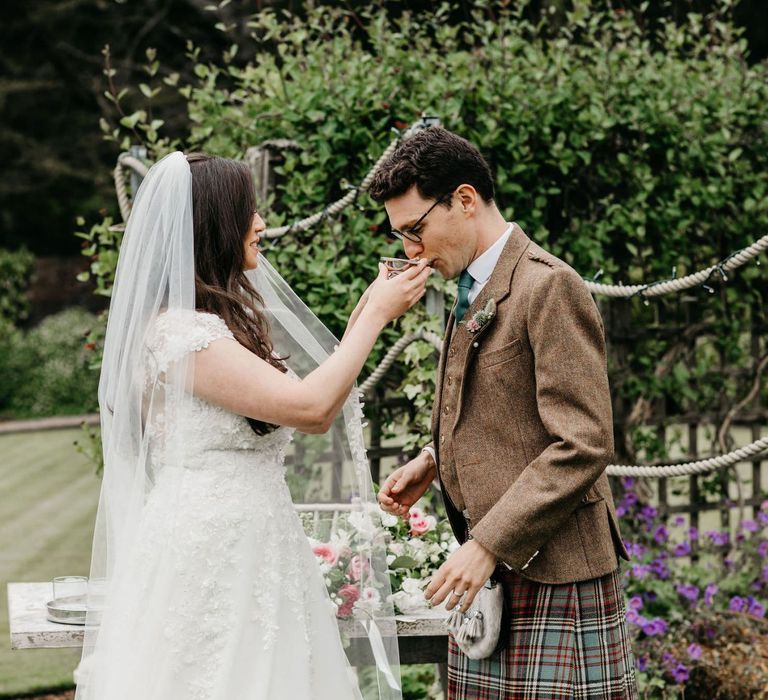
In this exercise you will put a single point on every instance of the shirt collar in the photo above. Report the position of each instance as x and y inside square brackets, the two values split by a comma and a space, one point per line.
[482, 266]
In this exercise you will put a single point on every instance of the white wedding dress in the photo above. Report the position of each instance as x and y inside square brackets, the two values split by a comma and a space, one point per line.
[220, 597]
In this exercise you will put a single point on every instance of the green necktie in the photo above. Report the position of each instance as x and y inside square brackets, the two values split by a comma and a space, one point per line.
[465, 284]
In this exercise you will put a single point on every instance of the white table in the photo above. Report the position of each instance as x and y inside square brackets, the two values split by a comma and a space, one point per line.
[422, 637]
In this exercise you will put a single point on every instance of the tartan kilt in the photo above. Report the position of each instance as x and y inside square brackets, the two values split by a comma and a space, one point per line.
[566, 642]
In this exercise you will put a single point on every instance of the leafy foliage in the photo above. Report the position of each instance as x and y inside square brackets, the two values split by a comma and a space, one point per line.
[630, 150]
[46, 371]
[15, 270]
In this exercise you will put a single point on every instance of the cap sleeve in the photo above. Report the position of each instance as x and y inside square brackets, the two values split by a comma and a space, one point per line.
[177, 333]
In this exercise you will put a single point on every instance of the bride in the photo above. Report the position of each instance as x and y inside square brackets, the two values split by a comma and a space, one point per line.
[203, 584]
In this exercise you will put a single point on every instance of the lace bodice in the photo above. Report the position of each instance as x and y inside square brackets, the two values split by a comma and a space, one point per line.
[203, 427]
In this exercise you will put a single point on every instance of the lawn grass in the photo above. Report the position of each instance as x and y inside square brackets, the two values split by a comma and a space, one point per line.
[48, 498]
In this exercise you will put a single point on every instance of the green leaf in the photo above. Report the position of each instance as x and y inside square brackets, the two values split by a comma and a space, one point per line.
[404, 562]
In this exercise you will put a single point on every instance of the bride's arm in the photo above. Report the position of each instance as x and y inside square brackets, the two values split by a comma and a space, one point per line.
[356, 312]
[231, 376]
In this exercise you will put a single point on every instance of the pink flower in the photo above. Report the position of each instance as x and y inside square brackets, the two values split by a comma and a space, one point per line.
[416, 514]
[327, 552]
[349, 593]
[473, 326]
[358, 567]
[420, 526]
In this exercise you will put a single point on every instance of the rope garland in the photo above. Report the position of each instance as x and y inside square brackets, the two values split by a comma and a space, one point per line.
[126, 161]
[394, 351]
[733, 261]
[700, 278]
[354, 191]
[702, 466]
[653, 289]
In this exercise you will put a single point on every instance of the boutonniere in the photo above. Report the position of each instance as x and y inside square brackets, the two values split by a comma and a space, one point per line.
[481, 318]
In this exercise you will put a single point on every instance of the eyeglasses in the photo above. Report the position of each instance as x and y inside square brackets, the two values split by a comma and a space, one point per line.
[410, 233]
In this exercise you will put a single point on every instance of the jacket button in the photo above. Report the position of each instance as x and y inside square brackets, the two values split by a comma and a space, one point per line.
[450, 379]
[445, 410]
[476, 344]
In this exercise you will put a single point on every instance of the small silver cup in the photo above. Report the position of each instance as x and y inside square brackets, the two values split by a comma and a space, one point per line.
[396, 265]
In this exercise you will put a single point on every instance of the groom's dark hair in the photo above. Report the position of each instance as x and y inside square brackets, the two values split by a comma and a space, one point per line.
[437, 162]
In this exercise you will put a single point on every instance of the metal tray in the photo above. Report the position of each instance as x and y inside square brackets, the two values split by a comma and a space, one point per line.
[69, 610]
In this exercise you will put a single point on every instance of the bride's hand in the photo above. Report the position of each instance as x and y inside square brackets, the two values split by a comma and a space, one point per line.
[393, 297]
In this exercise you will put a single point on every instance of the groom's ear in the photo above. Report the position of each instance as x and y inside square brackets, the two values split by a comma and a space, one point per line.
[468, 198]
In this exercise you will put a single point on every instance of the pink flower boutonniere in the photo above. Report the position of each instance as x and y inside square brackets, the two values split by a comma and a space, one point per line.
[481, 318]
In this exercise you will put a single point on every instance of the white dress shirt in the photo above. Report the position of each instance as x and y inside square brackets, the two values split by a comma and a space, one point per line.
[481, 269]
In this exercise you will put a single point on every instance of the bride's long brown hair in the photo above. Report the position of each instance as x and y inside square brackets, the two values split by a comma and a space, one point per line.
[223, 205]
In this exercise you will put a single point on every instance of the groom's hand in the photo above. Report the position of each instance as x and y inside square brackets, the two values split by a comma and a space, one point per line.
[463, 574]
[406, 485]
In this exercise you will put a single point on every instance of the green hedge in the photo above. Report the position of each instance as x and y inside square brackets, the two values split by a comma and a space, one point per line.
[620, 148]
[15, 271]
[46, 371]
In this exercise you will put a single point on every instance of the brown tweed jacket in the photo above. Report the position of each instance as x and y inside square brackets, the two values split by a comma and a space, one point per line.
[522, 422]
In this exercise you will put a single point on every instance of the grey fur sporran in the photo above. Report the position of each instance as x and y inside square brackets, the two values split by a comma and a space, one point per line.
[478, 631]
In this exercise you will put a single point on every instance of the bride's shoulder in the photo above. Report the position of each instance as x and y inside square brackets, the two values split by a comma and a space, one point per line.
[176, 331]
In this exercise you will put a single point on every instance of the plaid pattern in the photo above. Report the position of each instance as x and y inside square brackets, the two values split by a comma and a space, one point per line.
[566, 642]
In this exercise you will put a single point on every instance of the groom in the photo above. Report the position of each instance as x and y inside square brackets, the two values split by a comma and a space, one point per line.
[522, 433]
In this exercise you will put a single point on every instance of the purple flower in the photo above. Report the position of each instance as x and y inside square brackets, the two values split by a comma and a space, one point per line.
[763, 517]
[682, 550]
[621, 511]
[693, 533]
[680, 673]
[635, 549]
[635, 602]
[694, 651]
[727, 562]
[719, 539]
[737, 604]
[764, 573]
[629, 500]
[679, 521]
[649, 512]
[628, 482]
[689, 591]
[709, 593]
[764, 505]
[755, 608]
[642, 663]
[635, 618]
[654, 627]
[660, 568]
[762, 549]
[749, 525]
[660, 535]
[640, 571]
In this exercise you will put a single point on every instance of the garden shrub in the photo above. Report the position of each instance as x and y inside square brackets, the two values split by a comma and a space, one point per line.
[621, 148]
[15, 270]
[45, 371]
